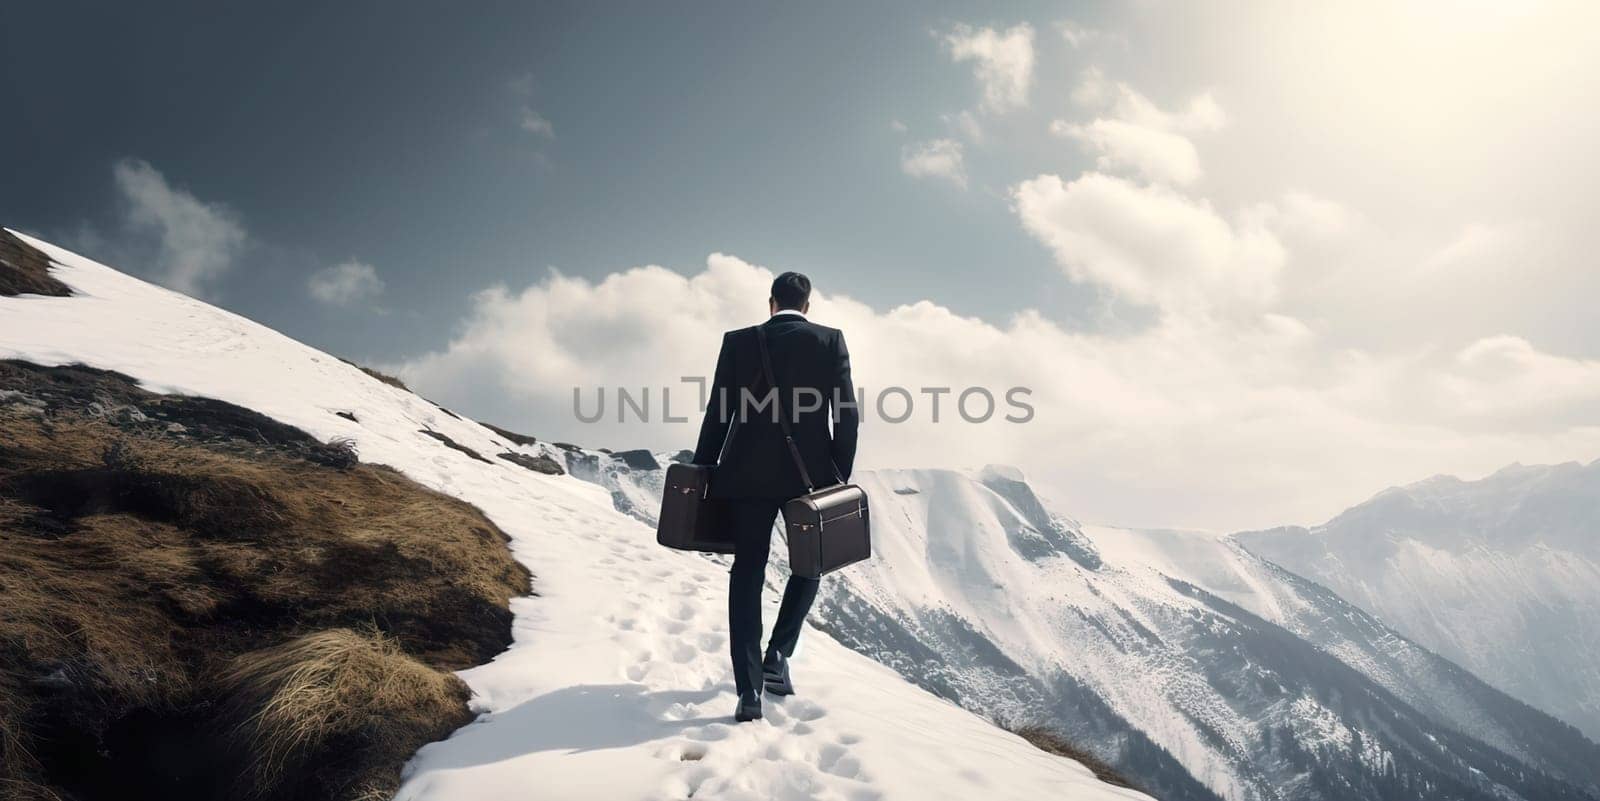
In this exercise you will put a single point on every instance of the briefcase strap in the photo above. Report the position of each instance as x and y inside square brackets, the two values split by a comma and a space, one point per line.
[783, 419]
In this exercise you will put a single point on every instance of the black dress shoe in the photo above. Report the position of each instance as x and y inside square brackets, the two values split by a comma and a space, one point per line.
[749, 708]
[775, 674]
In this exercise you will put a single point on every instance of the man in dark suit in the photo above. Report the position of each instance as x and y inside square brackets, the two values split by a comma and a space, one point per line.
[756, 473]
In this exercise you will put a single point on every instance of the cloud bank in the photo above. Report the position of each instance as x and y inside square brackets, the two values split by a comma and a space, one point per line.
[1227, 422]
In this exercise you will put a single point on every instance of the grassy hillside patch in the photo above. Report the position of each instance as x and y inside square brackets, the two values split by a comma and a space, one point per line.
[26, 271]
[198, 602]
[1047, 740]
[380, 375]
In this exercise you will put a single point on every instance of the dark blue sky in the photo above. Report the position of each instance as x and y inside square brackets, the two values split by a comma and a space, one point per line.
[389, 133]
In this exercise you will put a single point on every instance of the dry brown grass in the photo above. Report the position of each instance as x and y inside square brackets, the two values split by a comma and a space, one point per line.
[1047, 740]
[16, 760]
[318, 691]
[26, 271]
[380, 375]
[143, 573]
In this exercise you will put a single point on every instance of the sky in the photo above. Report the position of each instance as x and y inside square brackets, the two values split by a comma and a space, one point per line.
[1252, 263]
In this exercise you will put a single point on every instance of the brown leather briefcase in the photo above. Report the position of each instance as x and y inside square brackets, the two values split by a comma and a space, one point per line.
[691, 521]
[827, 528]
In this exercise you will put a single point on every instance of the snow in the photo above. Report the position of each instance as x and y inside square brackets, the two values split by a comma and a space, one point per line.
[1224, 567]
[617, 684]
[947, 547]
[947, 544]
[1500, 575]
[1319, 726]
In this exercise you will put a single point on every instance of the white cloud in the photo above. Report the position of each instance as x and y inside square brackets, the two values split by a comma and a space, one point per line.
[1305, 215]
[345, 283]
[1092, 90]
[198, 240]
[1095, 92]
[1080, 36]
[521, 87]
[1131, 133]
[1505, 380]
[898, 126]
[534, 123]
[1003, 62]
[1235, 422]
[1479, 247]
[966, 124]
[1151, 152]
[1150, 245]
[938, 158]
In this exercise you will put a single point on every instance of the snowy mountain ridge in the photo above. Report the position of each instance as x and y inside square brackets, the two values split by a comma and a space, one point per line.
[1500, 575]
[1181, 654]
[617, 684]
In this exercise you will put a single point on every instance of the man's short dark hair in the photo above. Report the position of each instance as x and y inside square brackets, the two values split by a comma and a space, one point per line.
[791, 291]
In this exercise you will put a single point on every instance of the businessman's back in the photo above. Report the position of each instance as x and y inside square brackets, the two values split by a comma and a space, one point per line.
[757, 473]
[812, 368]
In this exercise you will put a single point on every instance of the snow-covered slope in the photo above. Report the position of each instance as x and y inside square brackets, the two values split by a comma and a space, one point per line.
[1176, 655]
[1500, 575]
[1430, 684]
[617, 685]
[1214, 656]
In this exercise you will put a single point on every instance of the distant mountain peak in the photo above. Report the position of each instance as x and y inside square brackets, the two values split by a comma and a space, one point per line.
[1002, 471]
[1499, 574]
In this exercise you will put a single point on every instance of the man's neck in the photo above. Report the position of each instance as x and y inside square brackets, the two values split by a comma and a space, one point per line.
[795, 312]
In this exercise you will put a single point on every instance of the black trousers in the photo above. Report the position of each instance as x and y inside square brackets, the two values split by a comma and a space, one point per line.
[752, 528]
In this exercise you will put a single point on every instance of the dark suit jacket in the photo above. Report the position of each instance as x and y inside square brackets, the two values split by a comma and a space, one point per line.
[757, 463]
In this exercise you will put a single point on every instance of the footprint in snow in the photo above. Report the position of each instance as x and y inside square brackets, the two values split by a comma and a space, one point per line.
[801, 709]
[709, 733]
[837, 760]
[686, 784]
[683, 652]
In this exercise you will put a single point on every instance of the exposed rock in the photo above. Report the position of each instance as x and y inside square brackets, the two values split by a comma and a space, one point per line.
[538, 464]
[638, 459]
[583, 465]
[516, 439]
[453, 445]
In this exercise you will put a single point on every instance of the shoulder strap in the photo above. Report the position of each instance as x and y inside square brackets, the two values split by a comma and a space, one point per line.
[783, 419]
